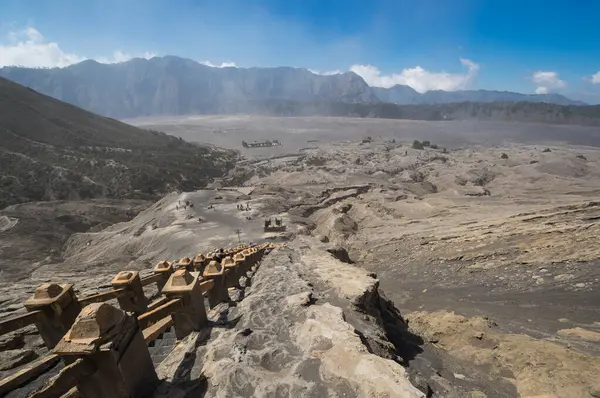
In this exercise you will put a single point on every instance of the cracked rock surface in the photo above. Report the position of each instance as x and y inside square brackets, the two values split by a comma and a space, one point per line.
[290, 341]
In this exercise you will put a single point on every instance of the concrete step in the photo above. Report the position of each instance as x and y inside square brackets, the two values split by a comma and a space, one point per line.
[25, 390]
[161, 347]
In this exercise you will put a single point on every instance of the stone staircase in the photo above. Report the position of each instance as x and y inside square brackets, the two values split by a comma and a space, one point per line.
[33, 385]
[161, 347]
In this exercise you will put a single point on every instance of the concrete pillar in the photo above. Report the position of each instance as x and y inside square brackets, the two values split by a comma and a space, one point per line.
[254, 255]
[268, 248]
[199, 263]
[218, 294]
[59, 307]
[259, 253]
[256, 259]
[184, 263]
[241, 268]
[209, 257]
[191, 315]
[112, 341]
[232, 278]
[132, 299]
[248, 253]
[240, 262]
[249, 259]
[165, 269]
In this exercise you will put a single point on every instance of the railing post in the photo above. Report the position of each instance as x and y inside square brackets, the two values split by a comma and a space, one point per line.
[132, 299]
[232, 278]
[112, 340]
[165, 269]
[241, 267]
[59, 307]
[257, 257]
[248, 252]
[209, 256]
[218, 294]
[199, 263]
[257, 254]
[268, 248]
[249, 258]
[191, 316]
[185, 263]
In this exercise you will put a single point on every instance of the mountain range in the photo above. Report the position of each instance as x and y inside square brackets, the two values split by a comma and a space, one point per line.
[176, 86]
[406, 95]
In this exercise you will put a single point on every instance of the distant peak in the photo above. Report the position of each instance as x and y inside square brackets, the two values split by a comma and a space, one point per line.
[87, 62]
[172, 58]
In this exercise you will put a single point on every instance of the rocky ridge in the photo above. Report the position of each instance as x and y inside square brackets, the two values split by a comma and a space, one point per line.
[292, 341]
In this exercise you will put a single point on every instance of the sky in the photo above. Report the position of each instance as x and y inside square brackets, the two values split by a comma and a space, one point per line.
[529, 46]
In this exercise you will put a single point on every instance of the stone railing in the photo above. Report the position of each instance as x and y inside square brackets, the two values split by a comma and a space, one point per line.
[104, 348]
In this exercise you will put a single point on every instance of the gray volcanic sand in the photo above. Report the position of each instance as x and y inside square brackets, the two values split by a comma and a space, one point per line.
[291, 335]
[296, 133]
[164, 231]
[524, 258]
[519, 267]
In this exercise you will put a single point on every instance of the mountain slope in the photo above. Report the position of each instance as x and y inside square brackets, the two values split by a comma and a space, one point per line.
[398, 94]
[176, 86]
[439, 97]
[405, 95]
[51, 150]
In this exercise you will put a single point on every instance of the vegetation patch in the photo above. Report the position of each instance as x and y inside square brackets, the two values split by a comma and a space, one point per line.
[50, 150]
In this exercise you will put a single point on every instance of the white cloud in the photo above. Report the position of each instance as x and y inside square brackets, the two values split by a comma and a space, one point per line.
[29, 48]
[596, 78]
[221, 65]
[119, 56]
[328, 73]
[418, 78]
[547, 82]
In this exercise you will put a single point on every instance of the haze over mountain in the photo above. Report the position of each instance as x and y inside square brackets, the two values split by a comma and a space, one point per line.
[177, 86]
[50, 150]
[405, 95]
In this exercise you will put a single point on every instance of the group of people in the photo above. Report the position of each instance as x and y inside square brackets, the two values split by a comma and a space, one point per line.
[218, 255]
[184, 205]
[242, 208]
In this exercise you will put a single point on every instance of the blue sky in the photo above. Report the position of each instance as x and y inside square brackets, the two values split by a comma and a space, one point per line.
[525, 46]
